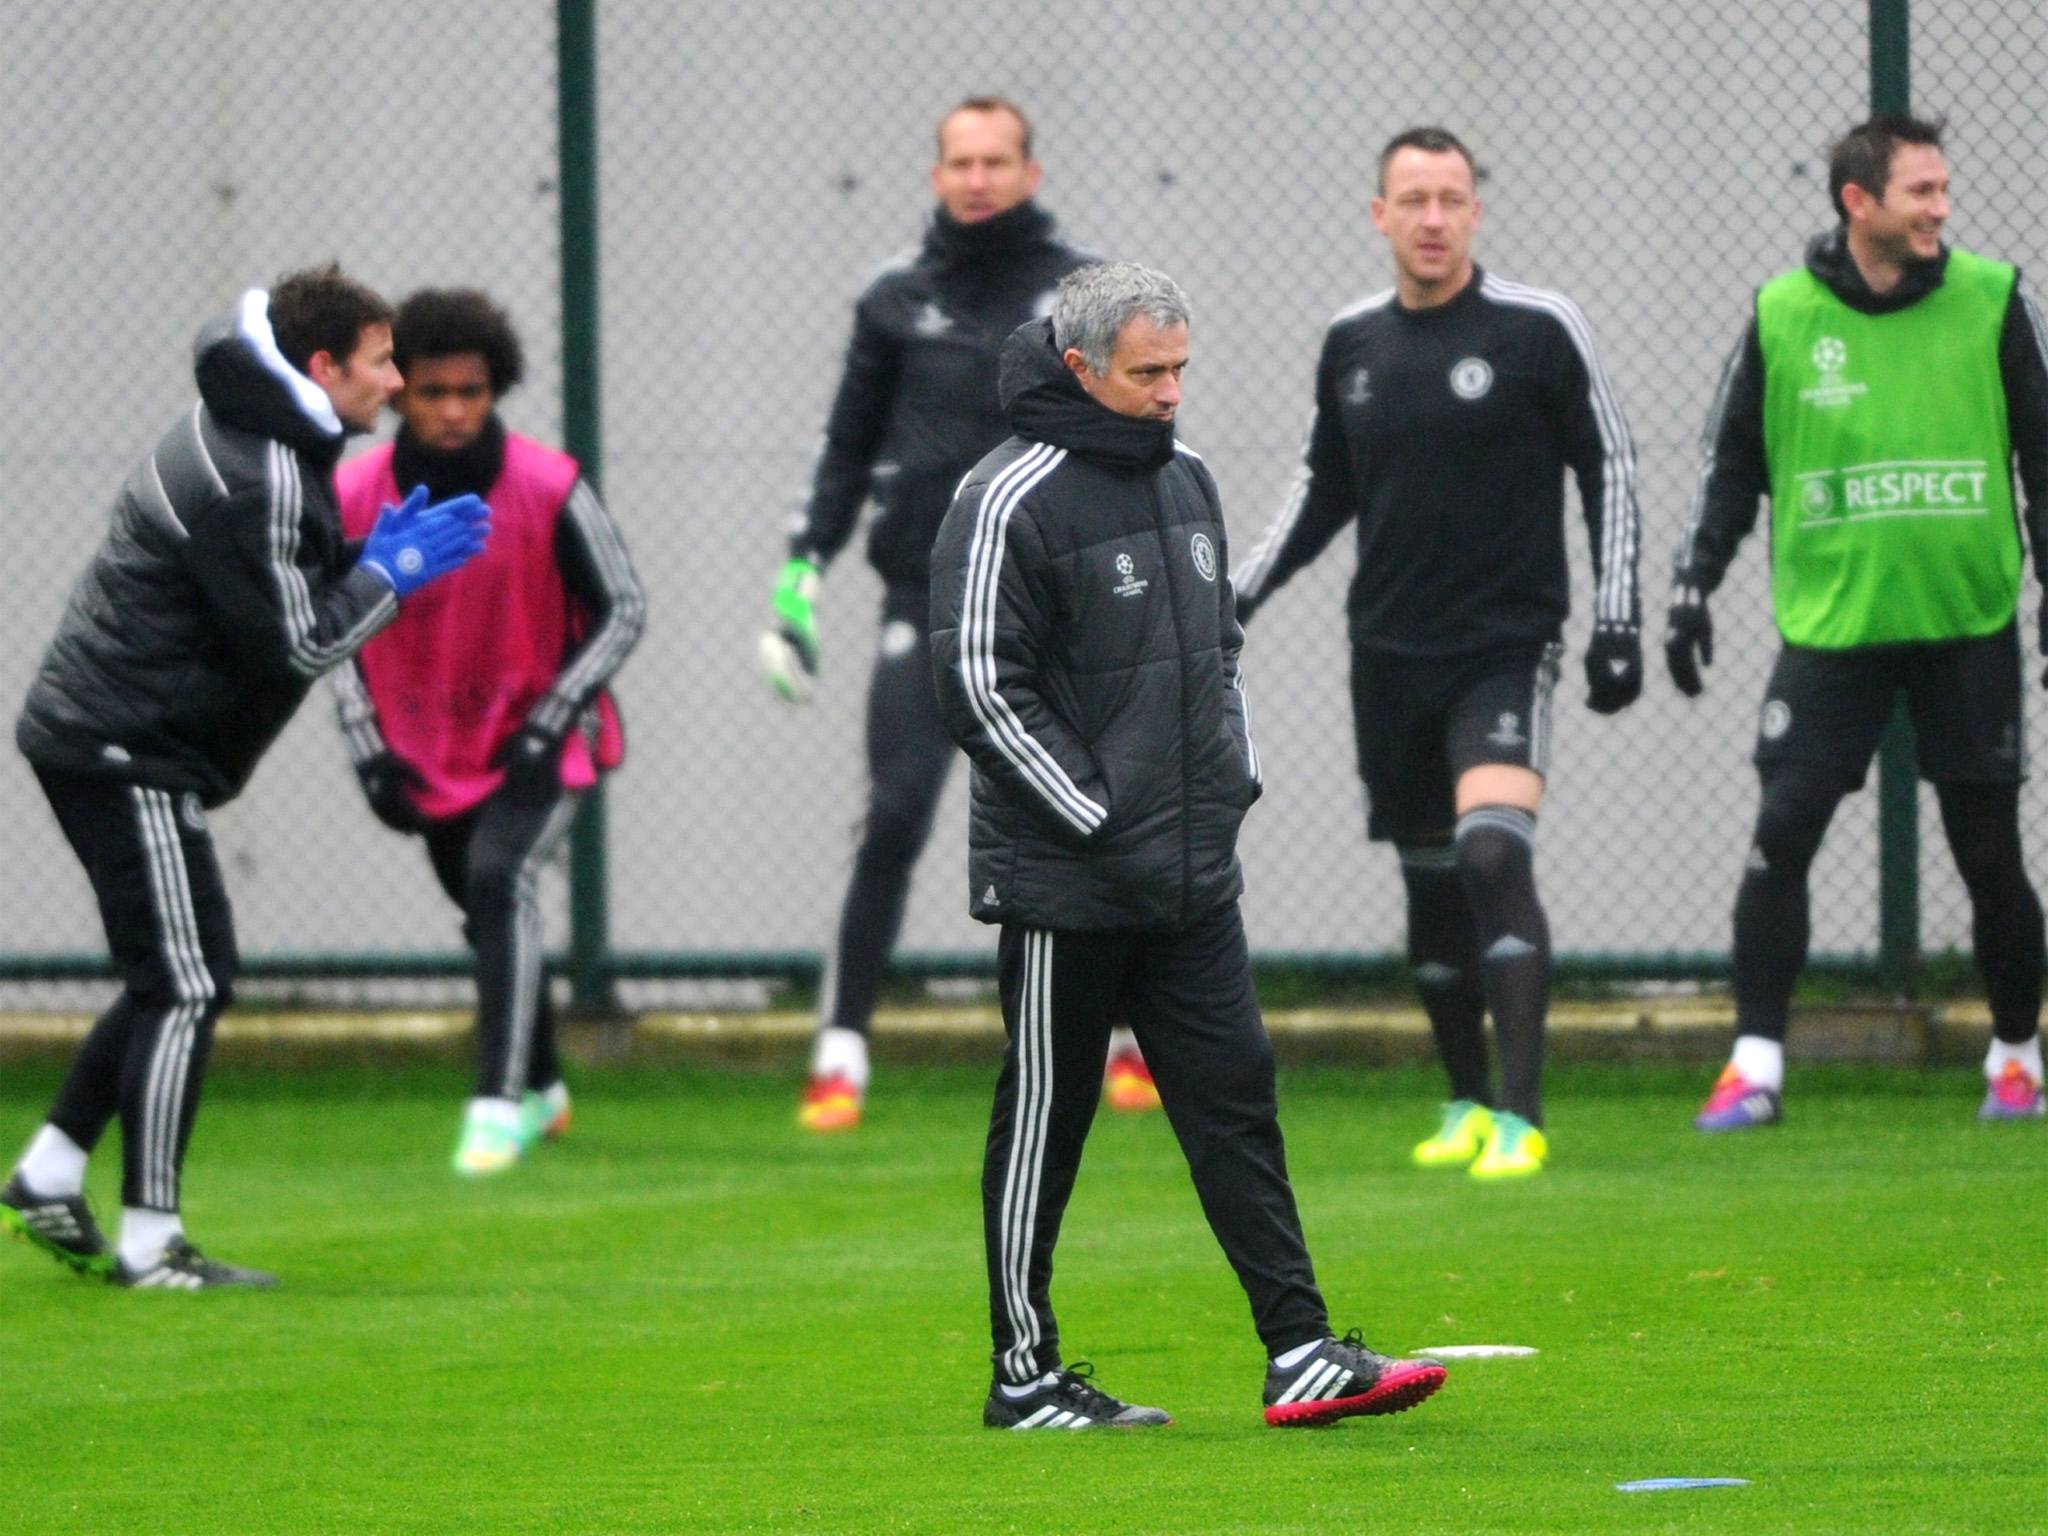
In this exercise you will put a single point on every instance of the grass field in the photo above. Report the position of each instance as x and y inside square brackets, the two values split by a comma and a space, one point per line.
[688, 1318]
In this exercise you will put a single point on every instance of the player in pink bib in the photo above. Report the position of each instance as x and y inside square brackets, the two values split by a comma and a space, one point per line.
[478, 718]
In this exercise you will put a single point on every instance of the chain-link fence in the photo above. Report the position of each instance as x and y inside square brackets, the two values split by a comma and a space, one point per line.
[1655, 161]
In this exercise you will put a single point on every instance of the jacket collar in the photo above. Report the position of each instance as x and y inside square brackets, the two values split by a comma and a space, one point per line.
[247, 384]
[1828, 258]
[1047, 404]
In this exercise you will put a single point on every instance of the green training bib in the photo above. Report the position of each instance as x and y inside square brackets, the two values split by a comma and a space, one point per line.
[1890, 459]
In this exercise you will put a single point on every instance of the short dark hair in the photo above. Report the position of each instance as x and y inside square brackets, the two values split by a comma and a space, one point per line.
[984, 104]
[1863, 156]
[322, 309]
[1436, 141]
[448, 322]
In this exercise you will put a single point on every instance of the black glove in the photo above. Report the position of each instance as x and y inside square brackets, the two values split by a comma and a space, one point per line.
[388, 782]
[1688, 637]
[532, 761]
[1614, 668]
[2044, 642]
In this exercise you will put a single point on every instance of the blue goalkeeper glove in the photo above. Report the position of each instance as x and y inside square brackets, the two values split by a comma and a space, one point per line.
[789, 651]
[414, 543]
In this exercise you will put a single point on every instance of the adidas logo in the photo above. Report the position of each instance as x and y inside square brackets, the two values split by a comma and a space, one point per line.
[1619, 666]
[989, 898]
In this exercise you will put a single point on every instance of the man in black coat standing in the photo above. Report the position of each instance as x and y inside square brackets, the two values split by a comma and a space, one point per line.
[1084, 645]
[915, 408]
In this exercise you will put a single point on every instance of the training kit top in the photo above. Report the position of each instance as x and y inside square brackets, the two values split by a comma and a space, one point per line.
[524, 637]
[917, 402]
[1084, 645]
[1884, 428]
[223, 586]
[1446, 432]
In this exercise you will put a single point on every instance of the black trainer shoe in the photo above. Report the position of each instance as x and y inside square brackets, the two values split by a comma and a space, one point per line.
[60, 1225]
[1070, 1401]
[185, 1268]
[1343, 1377]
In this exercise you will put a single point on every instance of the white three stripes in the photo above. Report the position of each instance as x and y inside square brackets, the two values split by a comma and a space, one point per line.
[1620, 517]
[1033, 762]
[1032, 1113]
[163, 1096]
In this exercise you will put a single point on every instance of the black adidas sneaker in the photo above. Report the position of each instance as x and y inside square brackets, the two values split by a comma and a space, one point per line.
[185, 1268]
[1070, 1400]
[1342, 1377]
[60, 1225]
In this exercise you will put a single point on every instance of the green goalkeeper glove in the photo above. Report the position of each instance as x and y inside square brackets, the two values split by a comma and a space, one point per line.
[789, 651]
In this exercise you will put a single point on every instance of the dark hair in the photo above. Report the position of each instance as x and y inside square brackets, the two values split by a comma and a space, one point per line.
[985, 104]
[1863, 156]
[320, 309]
[1436, 141]
[448, 322]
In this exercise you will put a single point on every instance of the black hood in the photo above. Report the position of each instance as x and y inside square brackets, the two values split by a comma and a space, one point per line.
[247, 384]
[1828, 258]
[1047, 404]
[953, 244]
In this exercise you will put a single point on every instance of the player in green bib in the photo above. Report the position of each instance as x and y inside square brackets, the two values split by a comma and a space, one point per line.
[1879, 398]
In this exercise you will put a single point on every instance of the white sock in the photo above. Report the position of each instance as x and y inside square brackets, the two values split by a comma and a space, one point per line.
[1299, 1353]
[502, 1113]
[1121, 1040]
[1760, 1061]
[2028, 1056]
[1016, 1394]
[145, 1234]
[841, 1053]
[54, 1164]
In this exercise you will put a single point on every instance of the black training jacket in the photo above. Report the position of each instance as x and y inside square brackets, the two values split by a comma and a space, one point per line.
[917, 400]
[221, 590]
[1446, 434]
[1084, 642]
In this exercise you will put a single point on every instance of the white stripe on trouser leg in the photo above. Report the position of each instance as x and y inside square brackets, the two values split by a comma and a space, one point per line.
[170, 1062]
[529, 956]
[1017, 1217]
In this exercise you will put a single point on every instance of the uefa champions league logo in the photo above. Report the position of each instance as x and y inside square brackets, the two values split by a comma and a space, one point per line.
[1830, 354]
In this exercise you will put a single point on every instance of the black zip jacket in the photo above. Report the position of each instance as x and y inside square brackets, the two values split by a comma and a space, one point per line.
[1734, 473]
[1084, 642]
[1446, 433]
[917, 401]
[222, 589]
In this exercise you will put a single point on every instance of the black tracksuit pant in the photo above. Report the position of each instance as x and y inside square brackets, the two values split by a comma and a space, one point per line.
[489, 861]
[172, 936]
[909, 756]
[1188, 995]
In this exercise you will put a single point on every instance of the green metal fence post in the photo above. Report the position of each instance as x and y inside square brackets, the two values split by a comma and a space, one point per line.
[1898, 791]
[583, 431]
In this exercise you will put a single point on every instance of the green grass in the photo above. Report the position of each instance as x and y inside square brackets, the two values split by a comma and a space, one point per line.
[687, 1317]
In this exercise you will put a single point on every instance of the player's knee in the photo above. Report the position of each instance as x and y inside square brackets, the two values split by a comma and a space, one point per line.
[1798, 803]
[492, 890]
[1495, 844]
[1988, 855]
[895, 829]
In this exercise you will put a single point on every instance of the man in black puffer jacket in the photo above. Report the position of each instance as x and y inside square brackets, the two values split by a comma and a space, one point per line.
[1084, 643]
[223, 587]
